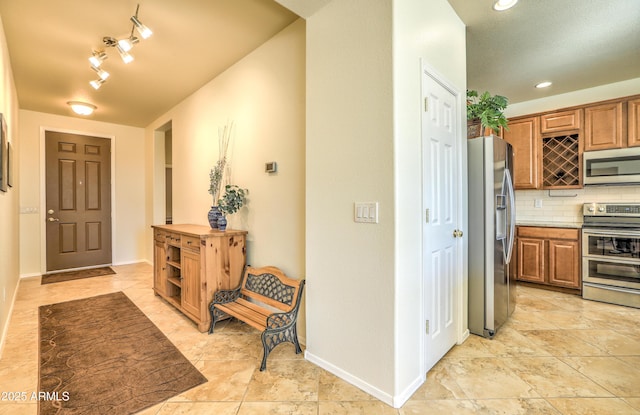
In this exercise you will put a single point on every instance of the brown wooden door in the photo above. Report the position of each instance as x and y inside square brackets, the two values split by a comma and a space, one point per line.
[633, 131]
[191, 290]
[524, 136]
[603, 126]
[564, 263]
[531, 260]
[78, 198]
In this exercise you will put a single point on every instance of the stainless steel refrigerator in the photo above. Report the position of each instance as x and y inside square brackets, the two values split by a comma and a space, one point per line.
[491, 234]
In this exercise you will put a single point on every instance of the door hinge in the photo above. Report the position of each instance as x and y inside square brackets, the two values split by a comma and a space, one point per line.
[426, 215]
[427, 326]
[426, 105]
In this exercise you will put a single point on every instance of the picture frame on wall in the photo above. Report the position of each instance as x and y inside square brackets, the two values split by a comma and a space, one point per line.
[4, 154]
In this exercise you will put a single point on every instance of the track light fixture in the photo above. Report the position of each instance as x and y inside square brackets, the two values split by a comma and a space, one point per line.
[123, 46]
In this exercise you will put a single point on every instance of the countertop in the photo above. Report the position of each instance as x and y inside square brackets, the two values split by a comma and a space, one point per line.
[572, 225]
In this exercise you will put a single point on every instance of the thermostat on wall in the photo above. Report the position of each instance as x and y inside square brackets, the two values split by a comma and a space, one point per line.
[271, 167]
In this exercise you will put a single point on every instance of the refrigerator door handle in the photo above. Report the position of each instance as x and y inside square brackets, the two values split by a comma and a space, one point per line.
[512, 214]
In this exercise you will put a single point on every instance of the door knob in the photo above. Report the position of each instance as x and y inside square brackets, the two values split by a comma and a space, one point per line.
[457, 233]
[50, 211]
[53, 220]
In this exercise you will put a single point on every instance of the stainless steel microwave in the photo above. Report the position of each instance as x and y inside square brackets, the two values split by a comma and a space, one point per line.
[617, 166]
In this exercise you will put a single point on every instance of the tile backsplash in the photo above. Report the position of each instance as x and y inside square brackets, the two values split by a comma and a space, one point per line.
[565, 206]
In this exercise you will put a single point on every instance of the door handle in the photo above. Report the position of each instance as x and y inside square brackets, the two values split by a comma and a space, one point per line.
[457, 233]
[53, 220]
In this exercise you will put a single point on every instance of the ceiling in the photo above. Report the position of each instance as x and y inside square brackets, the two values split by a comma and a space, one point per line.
[574, 43]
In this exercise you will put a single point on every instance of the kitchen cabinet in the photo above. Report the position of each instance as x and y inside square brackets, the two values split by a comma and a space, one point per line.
[548, 256]
[633, 124]
[604, 126]
[191, 262]
[560, 121]
[523, 135]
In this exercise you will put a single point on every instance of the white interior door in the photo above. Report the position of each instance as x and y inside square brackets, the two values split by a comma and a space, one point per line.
[441, 197]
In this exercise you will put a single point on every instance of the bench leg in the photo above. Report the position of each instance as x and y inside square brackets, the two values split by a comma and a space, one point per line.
[215, 316]
[270, 339]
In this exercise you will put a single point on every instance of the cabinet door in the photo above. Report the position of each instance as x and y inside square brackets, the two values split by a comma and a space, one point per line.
[531, 260]
[633, 131]
[523, 135]
[191, 292]
[564, 263]
[603, 127]
[560, 121]
[160, 268]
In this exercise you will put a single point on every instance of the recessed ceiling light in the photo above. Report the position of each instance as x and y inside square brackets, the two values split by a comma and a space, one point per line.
[501, 5]
[82, 108]
[544, 84]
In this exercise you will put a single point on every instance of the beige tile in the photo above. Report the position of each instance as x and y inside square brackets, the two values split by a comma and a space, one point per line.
[439, 407]
[524, 320]
[473, 346]
[199, 408]
[593, 406]
[227, 381]
[19, 409]
[551, 377]
[472, 374]
[561, 343]
[613, 374]
[355, 408]
[285, 380]
[441, 383]
[510, 342]
[571, 320]
[515, 407]
[332, 388]
[634, 402]
[610, 341]
[278, 408]
[221, 346]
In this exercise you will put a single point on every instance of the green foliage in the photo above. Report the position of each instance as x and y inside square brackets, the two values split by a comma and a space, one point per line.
[488, 109]
[233, 199]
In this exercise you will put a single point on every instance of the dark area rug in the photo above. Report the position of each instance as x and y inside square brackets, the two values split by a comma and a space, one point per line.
[75, 275]
[102, 355]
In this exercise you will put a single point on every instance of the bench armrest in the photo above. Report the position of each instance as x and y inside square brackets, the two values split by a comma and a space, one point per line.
[225, 296]
[281, 320]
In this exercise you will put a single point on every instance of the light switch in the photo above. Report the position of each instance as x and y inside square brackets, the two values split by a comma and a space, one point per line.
[366, 212]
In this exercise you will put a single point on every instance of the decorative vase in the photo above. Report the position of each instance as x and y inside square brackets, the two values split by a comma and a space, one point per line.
[214, 214]
[222, 222]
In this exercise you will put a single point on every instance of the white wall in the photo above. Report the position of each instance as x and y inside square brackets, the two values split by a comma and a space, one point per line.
[263, 94]
[430, 30]
[127, 174]
[9, 229]
[363, 144]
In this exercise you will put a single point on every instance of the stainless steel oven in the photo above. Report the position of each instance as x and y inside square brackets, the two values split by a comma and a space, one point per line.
[611, 253]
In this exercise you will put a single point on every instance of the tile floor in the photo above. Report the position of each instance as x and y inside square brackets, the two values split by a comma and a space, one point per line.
[557, 355]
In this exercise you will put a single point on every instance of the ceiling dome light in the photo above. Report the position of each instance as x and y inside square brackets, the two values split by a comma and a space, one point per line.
[82, 108]
[544, 84]
[501, 5]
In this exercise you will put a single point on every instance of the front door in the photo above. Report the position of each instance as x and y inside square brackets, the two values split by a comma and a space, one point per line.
[441, 187]
[78, 201]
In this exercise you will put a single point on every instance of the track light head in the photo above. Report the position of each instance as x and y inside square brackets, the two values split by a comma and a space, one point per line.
[144, 31]
[97, 58]
[127, 44]
[96, 84]
[126, 56]
[101, 72]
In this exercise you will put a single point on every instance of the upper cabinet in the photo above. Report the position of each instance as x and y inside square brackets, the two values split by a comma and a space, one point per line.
[560, 121]
[604, 126]
[523, 136]
[633, 125]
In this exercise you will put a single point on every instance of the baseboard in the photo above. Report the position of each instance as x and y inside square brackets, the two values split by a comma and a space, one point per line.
[5, 331]
[33, 274]
[402, 398]
[138, 261]
[348, 377]
[464, 337]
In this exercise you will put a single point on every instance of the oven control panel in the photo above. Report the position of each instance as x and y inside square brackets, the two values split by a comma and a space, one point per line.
[611, 209]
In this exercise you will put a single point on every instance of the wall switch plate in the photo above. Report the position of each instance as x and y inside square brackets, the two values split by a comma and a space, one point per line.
[366, 212]
[537, 203]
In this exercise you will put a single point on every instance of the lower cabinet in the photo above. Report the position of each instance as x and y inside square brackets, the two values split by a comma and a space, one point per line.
[549, 256]
[191, 262]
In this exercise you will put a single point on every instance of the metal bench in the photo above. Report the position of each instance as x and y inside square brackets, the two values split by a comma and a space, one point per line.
[266, 299]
